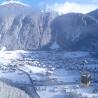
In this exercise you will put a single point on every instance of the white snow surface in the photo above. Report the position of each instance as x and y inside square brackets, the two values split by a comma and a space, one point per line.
[16, 2]
[7, 56]
[36, 70]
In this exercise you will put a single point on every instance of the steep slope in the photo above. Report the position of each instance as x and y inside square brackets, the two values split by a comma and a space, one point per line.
[23, 28]
[75, 31]
[94, 14]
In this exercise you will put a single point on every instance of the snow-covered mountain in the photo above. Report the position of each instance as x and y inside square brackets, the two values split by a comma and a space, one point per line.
[21, 27]
[94, 14]
[75, 31]
[14, 8]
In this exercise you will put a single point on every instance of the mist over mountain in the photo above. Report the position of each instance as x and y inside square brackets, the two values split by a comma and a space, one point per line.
[23, 28]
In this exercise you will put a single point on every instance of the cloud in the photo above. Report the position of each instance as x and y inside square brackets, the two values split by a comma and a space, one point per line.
[72, 7]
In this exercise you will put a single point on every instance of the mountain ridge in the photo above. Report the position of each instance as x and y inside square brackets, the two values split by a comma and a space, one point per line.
[26, 29]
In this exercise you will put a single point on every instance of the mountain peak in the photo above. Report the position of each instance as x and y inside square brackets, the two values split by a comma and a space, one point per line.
[13, 2]
[14, 7]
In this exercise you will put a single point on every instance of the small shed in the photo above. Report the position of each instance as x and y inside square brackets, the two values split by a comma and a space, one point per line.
[85, 78]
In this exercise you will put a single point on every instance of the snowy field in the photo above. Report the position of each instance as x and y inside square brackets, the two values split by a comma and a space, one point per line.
[54, 74]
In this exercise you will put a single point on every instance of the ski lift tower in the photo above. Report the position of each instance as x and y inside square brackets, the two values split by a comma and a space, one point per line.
[85, 75]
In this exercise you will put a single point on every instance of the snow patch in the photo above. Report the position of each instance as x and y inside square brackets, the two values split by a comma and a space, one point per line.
[55, 46]
[3, 49]
[7, 56]
[36, 69]
[16, 2]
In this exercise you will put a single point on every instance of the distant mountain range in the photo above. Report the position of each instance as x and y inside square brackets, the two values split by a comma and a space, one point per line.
[21, 27]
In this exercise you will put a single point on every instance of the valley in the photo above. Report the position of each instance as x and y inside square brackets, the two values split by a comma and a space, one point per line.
[49, 73]
[48, 54]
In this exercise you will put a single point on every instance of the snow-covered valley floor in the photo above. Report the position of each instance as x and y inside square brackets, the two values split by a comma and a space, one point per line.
[53, 74]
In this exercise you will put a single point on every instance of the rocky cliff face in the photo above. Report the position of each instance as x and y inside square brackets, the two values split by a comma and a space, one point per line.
[22, 28]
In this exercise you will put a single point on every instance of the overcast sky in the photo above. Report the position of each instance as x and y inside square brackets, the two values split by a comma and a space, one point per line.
[63, 6]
